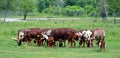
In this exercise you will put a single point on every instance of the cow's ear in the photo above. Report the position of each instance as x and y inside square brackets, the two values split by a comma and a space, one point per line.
[27, 31]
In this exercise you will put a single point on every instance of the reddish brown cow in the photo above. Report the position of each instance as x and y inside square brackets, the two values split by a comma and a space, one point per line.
[26, 35]
[63, 34]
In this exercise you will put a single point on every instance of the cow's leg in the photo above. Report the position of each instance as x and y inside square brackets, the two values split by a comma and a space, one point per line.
[69, 43]
[80, 43]
[98, 41]
[64, 43]
[74, 43]
[90, 43]
[28, 41]
[87, 43]
[60, 43]
[39, 43]
[42, 42]
[83, 43]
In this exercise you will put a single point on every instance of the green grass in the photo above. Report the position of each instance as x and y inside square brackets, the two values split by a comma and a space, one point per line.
[9, 48]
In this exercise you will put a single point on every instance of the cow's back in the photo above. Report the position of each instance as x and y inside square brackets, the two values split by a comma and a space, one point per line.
[99, 33]
[63, 33]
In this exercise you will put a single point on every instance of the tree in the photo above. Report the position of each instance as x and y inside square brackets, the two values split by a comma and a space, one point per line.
[26, 6]
[6, 5]
[41, 5]
[114, 7]
[103, 9]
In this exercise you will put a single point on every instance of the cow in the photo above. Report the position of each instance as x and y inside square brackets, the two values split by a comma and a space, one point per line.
[49, 40]
[63, 34]
[88, 36]
[85, 36]
[26, 35]
[99, 34]
[45, 31]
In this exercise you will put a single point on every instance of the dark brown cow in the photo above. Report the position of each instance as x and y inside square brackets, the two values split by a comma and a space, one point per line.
[26, 35]
[63, 34]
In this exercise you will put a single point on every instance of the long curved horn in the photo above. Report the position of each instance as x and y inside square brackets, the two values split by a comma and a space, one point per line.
[14, 39]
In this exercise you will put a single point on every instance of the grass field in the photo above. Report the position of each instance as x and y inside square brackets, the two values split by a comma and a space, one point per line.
[9, 48]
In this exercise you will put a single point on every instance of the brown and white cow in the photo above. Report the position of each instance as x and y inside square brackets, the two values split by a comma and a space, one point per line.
[44, 31]
[89, 35]
[99, 34]
[26, 35]
[85, 36]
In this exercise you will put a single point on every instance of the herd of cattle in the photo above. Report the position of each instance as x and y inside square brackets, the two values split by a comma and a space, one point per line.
[52, 35]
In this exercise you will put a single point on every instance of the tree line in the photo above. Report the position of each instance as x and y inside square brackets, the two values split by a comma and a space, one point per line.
[83, 8]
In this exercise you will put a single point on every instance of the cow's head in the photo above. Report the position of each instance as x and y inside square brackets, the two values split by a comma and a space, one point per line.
[21, 36]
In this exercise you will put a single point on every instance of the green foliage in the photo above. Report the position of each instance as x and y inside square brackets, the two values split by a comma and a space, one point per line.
[73, 11]
[113, 7]
[70, 2]
[87, 7]
[26, 5]
[50, 10]
[89, 10]
[41, 5]
[7, 5]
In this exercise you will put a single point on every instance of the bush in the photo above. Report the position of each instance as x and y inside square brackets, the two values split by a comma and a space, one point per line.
[89, 10]
[50, 10]
[70, 11]
[73, 11]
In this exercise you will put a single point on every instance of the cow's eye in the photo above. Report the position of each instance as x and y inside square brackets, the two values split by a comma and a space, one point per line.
[20, 36]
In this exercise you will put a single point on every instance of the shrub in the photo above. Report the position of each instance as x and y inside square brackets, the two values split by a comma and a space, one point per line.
[73, 11]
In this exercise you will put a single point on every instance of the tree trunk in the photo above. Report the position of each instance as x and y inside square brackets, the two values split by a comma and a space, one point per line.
[104, 10]
[4, 15]
[114, 14]
[25, 15]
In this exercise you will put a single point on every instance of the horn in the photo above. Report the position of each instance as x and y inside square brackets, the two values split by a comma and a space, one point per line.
[14, 39]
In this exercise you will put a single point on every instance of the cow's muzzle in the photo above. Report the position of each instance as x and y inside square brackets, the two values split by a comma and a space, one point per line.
[19, 42]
